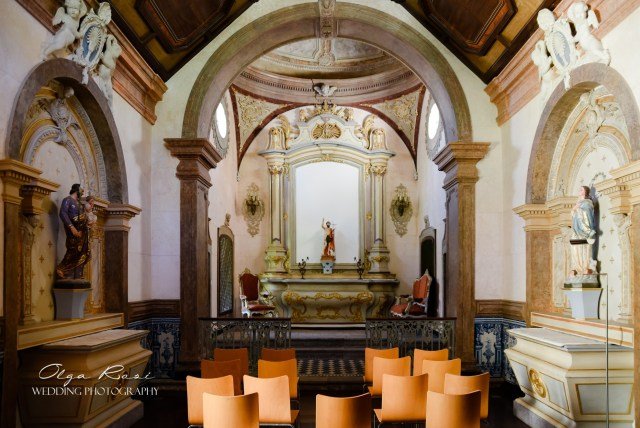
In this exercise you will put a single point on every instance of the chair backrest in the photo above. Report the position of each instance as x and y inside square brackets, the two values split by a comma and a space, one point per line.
[404, 398]
[370, 353]
[214, 369]
[453, 410]
[273, 395]
[436, 371]
[463, 384]
[343, 412]
[419, 355]
[278, 354]
[393, 366]
[268, 369]
[421, 288]
[242, 354]
[250, 285]
[224, 412]
[197, 386]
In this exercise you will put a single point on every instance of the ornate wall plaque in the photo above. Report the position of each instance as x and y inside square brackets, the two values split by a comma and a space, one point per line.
[401, 210]
[253, 209]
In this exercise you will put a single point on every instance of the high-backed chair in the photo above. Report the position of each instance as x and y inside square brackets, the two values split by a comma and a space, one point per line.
[210, 369]
[343, 412]
[419, 355]
[438, 369]
[289, 368]
[369, 354]
[225, 412]
[416, 304]
[242, 354]
[464, 384]
[404, 399]
[453, 410]
[273, 395]
[197, 386]
[250, 297]
[278, 354]
[392, 366]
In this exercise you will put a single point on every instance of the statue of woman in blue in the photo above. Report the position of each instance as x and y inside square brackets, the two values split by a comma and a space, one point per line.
[583, 236]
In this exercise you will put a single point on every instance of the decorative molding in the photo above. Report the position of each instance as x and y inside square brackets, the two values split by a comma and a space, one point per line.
[500, 308]
[401, 209]
[253, 209]
[133, 79]
[517, 83]
[154, 308]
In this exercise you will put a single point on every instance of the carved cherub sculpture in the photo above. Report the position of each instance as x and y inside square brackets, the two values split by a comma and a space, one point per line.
[107, 66]
[583, 19]
[69, 16]
[543, 61]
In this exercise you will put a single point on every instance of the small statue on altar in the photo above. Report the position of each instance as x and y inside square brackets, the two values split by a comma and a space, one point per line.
[583, 236]
[329, 250]
[77, 218]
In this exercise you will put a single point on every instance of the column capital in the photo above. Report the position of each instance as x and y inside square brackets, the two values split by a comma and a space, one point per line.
[34, 193]
[14, 174]
[623, 188]
[458, 160]
[118, 216]
[197, 156]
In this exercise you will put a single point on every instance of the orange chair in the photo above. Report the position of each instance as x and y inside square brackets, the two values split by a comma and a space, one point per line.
[404, 399]
[369, 354]
[392, 366]
[419, 355]
[416, 304]
[464, 384]
[273, 395]
[453, 410]
[438, 369]
[343, 412]
[278, 354]
[242, 354]
[268, 369]
[225, 412]
[197, 386]
[214, 369]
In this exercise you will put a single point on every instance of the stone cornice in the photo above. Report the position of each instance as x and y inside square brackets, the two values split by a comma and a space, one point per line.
[197, 156]
[517, 83]
[623, 188]
[33, 194]
[550, 216]
[13, 175]
[133, 79]
[118, 216]
[458, 160]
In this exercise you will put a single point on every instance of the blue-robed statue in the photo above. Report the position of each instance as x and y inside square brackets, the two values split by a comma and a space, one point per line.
[76, 227]
[583, 236]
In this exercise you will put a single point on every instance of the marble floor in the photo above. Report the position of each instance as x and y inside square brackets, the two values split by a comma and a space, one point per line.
[169, 409]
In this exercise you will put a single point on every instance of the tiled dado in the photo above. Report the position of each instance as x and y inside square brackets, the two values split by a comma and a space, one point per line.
[490, 341]
[163, 341]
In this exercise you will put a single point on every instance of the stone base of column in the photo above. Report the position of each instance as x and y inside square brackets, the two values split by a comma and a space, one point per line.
[275, 259]
[379, 259]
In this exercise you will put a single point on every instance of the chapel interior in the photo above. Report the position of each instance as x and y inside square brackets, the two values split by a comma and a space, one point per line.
[319, 213]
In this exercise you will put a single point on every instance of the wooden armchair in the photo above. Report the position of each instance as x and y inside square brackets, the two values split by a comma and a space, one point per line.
[415, 305]
[252, 304]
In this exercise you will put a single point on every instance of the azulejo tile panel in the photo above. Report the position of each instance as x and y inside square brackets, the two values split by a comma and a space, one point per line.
[491, 339]
[163, 341]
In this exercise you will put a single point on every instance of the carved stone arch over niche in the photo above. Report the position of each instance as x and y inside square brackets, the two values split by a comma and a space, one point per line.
[353, 21]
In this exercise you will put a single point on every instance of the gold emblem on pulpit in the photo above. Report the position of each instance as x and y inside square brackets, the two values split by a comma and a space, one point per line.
[536, 382]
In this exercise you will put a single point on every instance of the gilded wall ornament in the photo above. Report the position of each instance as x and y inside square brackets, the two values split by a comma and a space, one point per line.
[401, 210]
[251, 113]
[253, 209]
[281, 136]
[326, 131]
[537, 383]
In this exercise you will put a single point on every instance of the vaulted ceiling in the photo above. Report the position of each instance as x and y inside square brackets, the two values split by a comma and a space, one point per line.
[483, 34]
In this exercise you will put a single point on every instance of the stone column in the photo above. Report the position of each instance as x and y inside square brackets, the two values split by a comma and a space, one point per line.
[13, 174]
[32, 196]
[379, 253]
[458, 161]
[276, 253]
[116, 242]
[197, 157]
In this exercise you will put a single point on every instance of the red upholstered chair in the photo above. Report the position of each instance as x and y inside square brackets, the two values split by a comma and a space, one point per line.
[416, 304]
[250, 297]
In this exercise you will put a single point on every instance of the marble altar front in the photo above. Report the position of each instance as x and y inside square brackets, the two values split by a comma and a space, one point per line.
[331, 300]
[564, 378]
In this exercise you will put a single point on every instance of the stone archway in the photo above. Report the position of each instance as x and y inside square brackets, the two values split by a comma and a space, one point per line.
[24, 189]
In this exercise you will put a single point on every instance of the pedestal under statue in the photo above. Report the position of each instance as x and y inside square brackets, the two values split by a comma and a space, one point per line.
[71, 289]
[582, 286]
[328, 257]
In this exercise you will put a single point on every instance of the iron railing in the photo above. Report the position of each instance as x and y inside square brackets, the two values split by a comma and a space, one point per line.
[251, 333]
[410, 333]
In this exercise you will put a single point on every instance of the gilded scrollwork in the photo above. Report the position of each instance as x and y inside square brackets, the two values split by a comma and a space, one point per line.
[253, 209]
[401, 209]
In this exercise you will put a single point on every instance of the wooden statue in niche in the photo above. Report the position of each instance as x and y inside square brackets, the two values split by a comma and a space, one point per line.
[329, 250]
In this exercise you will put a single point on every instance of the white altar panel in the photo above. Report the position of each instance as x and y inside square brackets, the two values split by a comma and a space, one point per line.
[334, 197]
